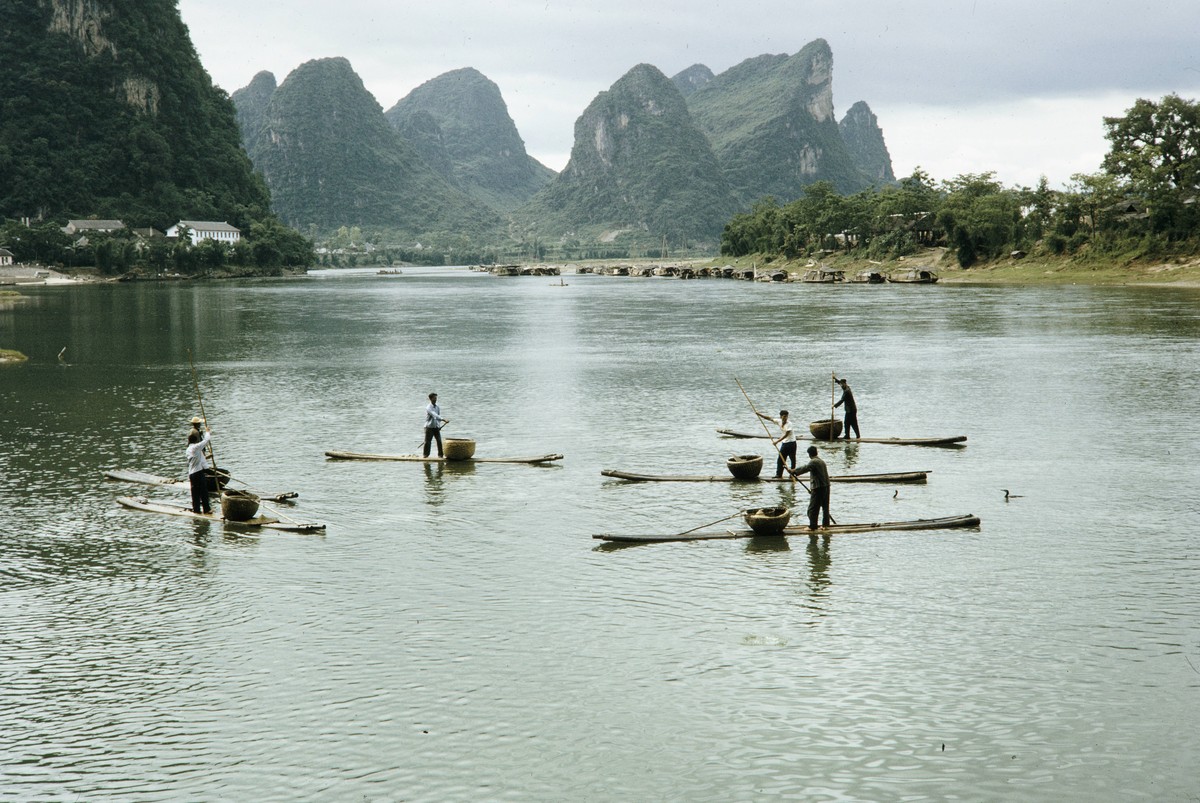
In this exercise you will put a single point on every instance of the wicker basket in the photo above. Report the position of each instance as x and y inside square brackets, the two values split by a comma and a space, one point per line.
[238, 505]
[217, 479]
[826, 429]
[768, 520]
[458, 448]
[745, 466]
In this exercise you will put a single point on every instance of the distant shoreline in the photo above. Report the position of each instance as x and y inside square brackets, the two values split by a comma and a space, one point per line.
[1033, 270]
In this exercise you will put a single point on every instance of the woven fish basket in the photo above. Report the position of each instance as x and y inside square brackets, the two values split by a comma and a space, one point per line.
[238, 505]
[825, 430]
[745, 466]
[768, 520]
[458, 448]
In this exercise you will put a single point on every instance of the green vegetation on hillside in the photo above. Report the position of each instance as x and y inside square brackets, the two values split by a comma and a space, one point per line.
[266, 247]
[1142, 205]
[331, 159]
[770, 121]
[105, 110]
[638, 164]
[475, 135]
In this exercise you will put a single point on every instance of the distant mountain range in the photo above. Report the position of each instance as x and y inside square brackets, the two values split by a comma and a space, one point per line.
[108, 112]
[331, 159]
[653, 158]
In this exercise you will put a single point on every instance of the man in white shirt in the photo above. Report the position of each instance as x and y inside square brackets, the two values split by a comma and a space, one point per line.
[786, 442]
[433, 425]
[197, 467]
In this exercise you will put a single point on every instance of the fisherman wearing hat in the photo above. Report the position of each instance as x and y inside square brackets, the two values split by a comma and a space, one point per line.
[197, 468]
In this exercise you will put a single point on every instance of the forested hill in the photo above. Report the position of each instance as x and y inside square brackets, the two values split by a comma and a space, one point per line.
[864, 139]
[331, 159]
[771, 123]
[460, 122]
[105, 110]
[638, 164]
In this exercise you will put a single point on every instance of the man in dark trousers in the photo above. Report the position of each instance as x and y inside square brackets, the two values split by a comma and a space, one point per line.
[818, 489]
[433, 425]
[197, 468]
[851, 408]
[786, 443]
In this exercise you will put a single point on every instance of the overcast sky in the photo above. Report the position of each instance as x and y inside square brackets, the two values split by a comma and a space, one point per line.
[1016, 87]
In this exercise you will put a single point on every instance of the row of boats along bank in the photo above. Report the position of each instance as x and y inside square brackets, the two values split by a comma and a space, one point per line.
[242, 507]
[814, 274]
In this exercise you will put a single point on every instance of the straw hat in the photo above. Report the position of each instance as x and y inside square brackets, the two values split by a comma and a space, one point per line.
[197, 419]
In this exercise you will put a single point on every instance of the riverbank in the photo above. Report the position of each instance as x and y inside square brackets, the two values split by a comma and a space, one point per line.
[1042, 269]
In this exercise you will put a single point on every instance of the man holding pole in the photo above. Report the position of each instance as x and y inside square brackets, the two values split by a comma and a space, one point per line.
[433, 425]
[785, 443]
[197, 467]
[851, 408]
[818, 492]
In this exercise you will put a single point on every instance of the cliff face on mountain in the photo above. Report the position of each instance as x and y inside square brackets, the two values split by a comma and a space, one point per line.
[251, 102]
[460, 119]
[106, 110]
[771, 123]
[864, 139]
[639, 164]
[332, 159]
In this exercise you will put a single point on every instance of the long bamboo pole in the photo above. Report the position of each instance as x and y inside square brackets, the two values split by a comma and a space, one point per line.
[774, 445]
[832, 391]
[203, 415]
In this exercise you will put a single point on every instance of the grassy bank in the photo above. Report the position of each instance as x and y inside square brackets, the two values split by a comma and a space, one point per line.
[1040, 269]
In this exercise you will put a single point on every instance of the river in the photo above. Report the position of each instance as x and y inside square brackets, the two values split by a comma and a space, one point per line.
[457, 634]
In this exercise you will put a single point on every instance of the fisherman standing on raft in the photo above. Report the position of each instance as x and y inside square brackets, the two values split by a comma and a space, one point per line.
[197, 467]
[818, 490]
[786, 442]
[433, 425]
[851, 408]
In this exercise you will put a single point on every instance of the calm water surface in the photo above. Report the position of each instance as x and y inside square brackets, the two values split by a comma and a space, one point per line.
[457, 634]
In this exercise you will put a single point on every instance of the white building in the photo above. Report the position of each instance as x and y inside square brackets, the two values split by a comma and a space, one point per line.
[200, 230]
[6, 257]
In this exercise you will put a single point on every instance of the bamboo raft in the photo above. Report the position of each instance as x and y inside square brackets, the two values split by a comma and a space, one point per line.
[416, 458]
[944, 523]
[143, 478]
[894, 477]
[954, 441]
[171, 509]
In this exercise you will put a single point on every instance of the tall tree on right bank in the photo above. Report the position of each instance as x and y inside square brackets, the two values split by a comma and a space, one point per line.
[1156, 148]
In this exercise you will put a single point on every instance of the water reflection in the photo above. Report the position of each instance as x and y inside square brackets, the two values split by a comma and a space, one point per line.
[767, 543]
[819, 560]
[435, 485]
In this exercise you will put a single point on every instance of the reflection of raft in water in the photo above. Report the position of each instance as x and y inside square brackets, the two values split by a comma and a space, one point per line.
[944, 523]
[170, 509]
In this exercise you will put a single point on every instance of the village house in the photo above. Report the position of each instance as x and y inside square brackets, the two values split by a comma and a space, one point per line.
[6, 257]
[200, 230]
[83, 226]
